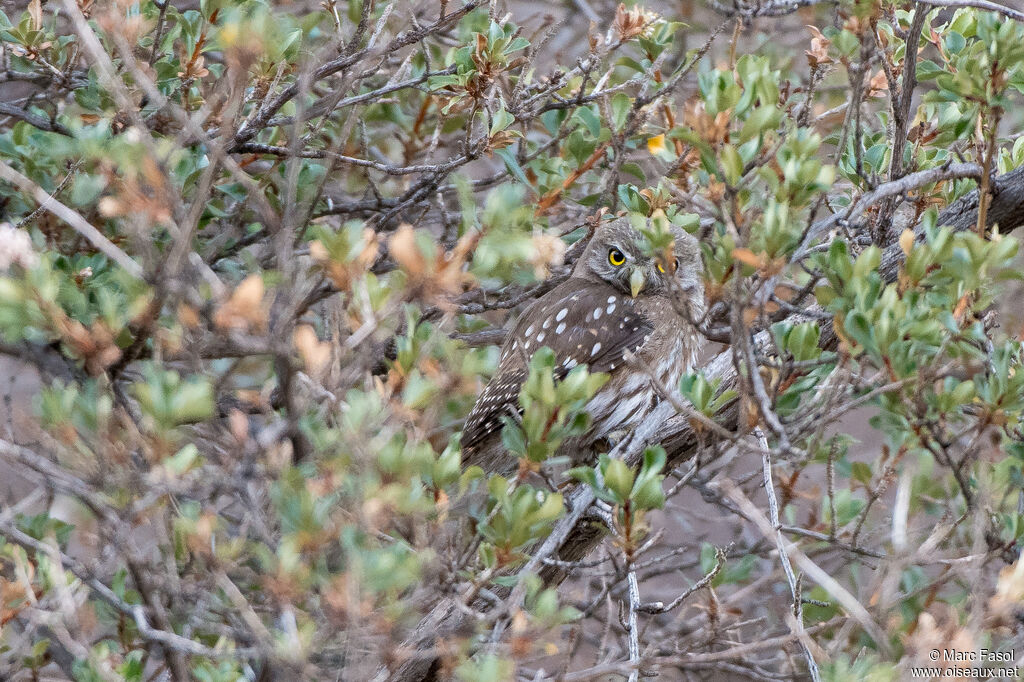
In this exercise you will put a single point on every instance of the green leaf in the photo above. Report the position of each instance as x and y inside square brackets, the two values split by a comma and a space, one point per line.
[621, 104]
[501, 120]
[732, 164]
[618, 479]
[590, 120]
[512, 164]
[861, 472]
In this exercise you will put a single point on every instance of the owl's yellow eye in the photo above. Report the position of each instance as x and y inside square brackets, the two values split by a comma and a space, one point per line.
[616, 258]
[675, 266]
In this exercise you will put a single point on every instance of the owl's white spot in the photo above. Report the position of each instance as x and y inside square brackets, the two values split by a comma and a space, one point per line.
[547, 323]
[560, 328]
[526, 346]
[612, 366]
[611, 299]
[569, 363]
[622, 325]
[540, 337]
[597, 313]
[529, 331]
[561, 314]
[597, 347]
[610, 309]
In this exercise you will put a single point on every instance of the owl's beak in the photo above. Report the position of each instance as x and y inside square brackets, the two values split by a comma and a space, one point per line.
[637, 281]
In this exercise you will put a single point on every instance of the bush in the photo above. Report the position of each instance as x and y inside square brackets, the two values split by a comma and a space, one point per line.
[260, 255]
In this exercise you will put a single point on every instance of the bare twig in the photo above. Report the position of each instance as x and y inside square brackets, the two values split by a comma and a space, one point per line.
[781, 546]
[72, 218]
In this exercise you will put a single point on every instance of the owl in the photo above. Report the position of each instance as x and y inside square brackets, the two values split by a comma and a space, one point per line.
[624, 311]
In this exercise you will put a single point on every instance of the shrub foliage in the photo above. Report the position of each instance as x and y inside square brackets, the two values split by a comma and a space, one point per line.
[260, 255]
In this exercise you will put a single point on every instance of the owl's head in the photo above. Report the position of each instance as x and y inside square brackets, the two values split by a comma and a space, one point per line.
[619, 255]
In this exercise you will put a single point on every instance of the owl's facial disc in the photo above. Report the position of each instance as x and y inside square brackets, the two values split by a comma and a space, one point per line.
[627, 268]
[620, 255]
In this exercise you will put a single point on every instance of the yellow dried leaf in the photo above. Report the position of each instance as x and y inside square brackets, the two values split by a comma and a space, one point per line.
[907, 241]
[656, 144]
[519, 622]
[317, 251]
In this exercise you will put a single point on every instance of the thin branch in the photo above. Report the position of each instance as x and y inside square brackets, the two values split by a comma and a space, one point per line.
[34, 120]
[986, 5]
[632, 628]
[72, 218]
[135, 611]
[819, 575]
[781, 546]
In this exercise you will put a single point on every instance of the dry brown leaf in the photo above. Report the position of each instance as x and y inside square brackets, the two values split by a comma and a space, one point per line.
[199, 540]
[713, 130]
[432, 276]
[238, 424]
[907, 241]
[748, 257]
[316, 354]
[786, 292]
[878, 84]
[818, 54]
[715, 190]
[632, 22]
[939, 630]
[404, 251]
[35, 10]
[343, 274]
[188, 316]
[548, 252]
[245, 309]
[95, 344]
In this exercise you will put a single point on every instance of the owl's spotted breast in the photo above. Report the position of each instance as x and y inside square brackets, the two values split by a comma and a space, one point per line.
[589, 325]
[618, 305]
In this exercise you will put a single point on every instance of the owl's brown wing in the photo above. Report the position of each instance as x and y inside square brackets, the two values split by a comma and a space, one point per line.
[588, 324]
